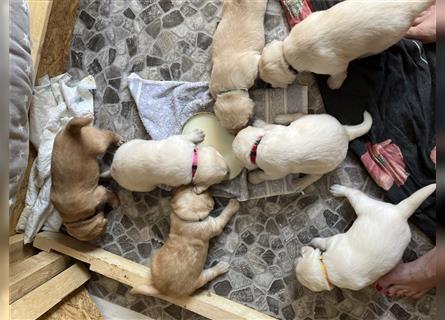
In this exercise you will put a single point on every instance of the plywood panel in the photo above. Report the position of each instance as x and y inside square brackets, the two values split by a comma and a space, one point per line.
[49, 294]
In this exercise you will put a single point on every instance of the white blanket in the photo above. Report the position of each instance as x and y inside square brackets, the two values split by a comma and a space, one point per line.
[55, 102]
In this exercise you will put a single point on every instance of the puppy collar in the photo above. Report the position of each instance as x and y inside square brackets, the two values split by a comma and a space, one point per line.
[325, 272]
[254, 150]
[232, 90]
[194, 162]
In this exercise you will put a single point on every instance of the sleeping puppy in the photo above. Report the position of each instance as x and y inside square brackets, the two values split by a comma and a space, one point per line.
[236, 50]
[311, 144]
[75, 192]
[326, 41]
[177, 268]
[142, 165]
[372, 247]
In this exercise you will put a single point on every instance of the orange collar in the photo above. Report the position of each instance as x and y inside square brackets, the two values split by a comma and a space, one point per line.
[325, 273]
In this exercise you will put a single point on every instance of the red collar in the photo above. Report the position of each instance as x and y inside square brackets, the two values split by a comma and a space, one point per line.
[254, 150]
[194, 162]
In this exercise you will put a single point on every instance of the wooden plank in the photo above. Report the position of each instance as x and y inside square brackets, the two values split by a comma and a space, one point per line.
[17, 250]
[28, 274]
[43, 298]
[39, 12]
[112, 311]
[79, 305]
[130, 273]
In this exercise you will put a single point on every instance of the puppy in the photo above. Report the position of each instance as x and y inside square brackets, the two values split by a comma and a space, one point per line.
[236, 51]
[177, 268]
[371, 248]
[142, 165]
[75, 192]
[311, 144]
[326, 41]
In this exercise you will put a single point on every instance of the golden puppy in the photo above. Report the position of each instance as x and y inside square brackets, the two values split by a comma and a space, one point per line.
[142, 165]
[75, 192]
[326, 41]
[236, 50]
[177, 268]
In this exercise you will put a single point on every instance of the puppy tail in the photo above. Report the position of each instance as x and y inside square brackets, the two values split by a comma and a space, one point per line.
[360, 129]
[76, 123]
[410, 204]
[147, 289]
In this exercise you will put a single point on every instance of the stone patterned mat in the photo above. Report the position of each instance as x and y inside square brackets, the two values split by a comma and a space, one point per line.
[170, 39]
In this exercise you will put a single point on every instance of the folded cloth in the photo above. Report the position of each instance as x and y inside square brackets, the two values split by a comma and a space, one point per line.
[55, 102]
[165, 106]
[398, 88]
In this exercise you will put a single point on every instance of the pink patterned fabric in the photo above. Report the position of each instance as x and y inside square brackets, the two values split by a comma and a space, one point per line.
[384, 162]
[296, 10]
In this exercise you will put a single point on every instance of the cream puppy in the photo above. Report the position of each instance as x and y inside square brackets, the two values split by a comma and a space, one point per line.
[141, 165]
[326, 41]
[236, 50]
[177, 268]
[311, 144]
[371, 248]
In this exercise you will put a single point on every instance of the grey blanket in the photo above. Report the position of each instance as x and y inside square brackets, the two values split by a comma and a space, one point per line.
[164, 107]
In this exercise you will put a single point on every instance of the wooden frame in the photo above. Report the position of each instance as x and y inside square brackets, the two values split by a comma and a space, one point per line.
[131, 273]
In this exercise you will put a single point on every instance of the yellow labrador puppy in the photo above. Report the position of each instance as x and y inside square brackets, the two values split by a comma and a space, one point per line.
[371, 248]
[326, 41]
[177, 268]
[236, 49]
[311, 144]
[142, 165]
[75, 192]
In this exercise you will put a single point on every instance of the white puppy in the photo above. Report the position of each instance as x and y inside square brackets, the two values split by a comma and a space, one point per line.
[326, 41]
[141, 165]
[236, 50]
[311, 144]
[371, 248]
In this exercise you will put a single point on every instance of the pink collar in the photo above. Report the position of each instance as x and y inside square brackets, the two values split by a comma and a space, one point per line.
[253, 151]
[194, 162]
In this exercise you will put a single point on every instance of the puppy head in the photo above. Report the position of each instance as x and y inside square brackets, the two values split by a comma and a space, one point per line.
[88, 229]
[243, 143]
[234, 109]
[310, 271]
[190, 206]
[273, 67]
[212, 169]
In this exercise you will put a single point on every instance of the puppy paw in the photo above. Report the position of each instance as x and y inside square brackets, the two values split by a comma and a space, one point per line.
[254, 178]
[233, 205]
[337, 190]
[119, 140]
[114, 201]
[197, 136]
[222, 267]
[259, 123]
[199, 189]
[335, 83]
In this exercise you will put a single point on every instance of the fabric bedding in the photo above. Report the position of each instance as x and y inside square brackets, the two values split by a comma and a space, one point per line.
[20, 88]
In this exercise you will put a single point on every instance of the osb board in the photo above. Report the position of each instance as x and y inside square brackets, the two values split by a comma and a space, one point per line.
[56, 47]
[77, 306]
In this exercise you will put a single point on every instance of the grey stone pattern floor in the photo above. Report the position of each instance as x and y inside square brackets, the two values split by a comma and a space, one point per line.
[171, 40]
